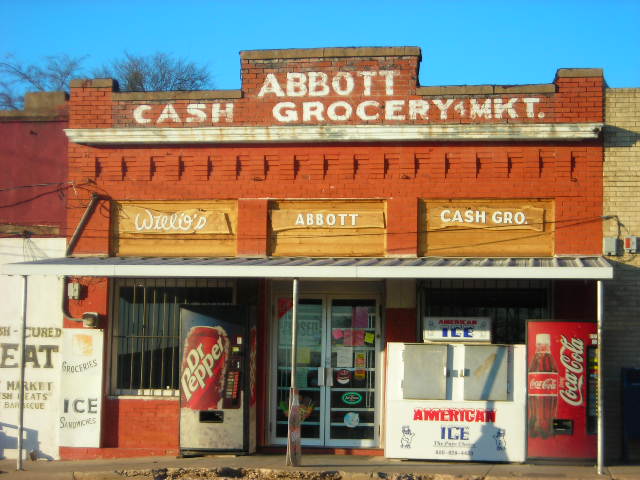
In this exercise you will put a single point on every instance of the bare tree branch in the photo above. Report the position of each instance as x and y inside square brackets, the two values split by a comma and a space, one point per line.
[137, 73]
[157, 72]
[53, 75]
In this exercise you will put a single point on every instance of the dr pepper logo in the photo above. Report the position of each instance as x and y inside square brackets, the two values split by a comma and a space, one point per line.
[204, 364]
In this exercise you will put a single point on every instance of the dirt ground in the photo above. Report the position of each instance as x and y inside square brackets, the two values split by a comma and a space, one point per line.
[250, 474]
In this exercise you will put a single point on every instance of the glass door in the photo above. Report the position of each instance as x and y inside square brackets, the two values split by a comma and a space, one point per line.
[336, 371]
[351, 418]
[310, 368]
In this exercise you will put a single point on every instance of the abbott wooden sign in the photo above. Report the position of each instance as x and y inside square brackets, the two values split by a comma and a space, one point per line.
[174, 228]
[495, 228]
[340, 228]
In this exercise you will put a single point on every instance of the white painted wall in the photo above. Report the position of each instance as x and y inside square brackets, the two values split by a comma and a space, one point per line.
[42, 375]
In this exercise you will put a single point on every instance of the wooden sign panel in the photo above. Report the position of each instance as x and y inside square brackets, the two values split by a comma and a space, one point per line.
[332, 228]
[174, 228]
[487, 228]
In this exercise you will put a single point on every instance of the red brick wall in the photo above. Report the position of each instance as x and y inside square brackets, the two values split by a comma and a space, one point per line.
[141, 423]
[569, 173]
[33, 153]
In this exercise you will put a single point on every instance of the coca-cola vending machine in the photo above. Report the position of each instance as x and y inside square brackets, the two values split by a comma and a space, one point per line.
[561, 390]
[217, 379]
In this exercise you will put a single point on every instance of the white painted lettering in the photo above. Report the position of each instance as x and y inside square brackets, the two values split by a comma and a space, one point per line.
[169, 113]
[296, 84]
[460, 108]
[499, 108]
[271, 85]
[312, 111]
[285, 112]
[366, 77]
[418, 108]
[299, 219]
[481, 110]
[391, 109]
[332, 111]
[138, 113]
[388, 80]
[196, 110]
[530, 102]
[443, 107]
[217, 112]
[318, 84]
[347, 79]
[362, 113]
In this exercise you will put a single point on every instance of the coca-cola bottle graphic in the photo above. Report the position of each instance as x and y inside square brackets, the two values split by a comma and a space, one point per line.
[543, 389]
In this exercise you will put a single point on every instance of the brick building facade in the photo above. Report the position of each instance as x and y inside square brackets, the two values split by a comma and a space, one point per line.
[333, 166]
[621, 193]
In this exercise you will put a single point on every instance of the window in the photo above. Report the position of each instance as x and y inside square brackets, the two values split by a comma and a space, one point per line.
[508, 303]
[146, 330]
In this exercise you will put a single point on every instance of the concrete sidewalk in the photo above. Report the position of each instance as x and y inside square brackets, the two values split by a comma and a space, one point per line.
[273, 466]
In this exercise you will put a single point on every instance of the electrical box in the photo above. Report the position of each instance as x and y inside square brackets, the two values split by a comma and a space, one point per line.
[610, 246]
[73, 290]
[631, 244]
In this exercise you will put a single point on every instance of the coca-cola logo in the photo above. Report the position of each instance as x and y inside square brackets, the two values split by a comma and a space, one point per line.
[572, 359]
[548, 384]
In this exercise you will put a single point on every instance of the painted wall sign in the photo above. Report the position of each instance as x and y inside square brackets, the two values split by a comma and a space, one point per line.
[287, 219]
[457, 215]
[497, 228]
[380, 84]
[343, 228]
[196, 114]
[457, 329]
[81, 387]
[164, 228]
[136, 219]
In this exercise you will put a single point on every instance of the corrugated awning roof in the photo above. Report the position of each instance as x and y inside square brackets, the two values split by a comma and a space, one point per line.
[570, 267]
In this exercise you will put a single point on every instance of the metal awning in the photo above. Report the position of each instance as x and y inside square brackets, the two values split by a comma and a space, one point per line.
[565, 267]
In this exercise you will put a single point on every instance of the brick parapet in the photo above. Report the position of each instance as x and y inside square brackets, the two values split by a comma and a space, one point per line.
[341, 86]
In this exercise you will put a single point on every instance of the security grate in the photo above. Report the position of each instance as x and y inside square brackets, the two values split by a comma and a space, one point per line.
[508, 302]
[146, 336]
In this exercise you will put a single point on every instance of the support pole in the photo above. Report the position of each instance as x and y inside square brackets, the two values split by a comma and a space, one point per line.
[23, 341]
[600, 397]
[294, 450]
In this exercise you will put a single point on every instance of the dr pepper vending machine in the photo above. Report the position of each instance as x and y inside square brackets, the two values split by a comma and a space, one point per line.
[561, 390]
[217, 379]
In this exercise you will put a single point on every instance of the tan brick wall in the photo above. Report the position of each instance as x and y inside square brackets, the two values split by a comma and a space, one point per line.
[622, 294]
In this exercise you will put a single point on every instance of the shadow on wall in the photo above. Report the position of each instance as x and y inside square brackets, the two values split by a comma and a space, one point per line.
[619, 137]
[9, 441]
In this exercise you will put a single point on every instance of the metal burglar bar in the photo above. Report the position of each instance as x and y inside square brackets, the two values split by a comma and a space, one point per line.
[146, 338]
[508, 302]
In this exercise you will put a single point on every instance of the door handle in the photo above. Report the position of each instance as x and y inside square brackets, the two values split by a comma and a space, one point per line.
[321, 376]
[329, 376]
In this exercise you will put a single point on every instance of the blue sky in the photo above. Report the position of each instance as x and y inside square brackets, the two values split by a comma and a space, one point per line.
[462, 41]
